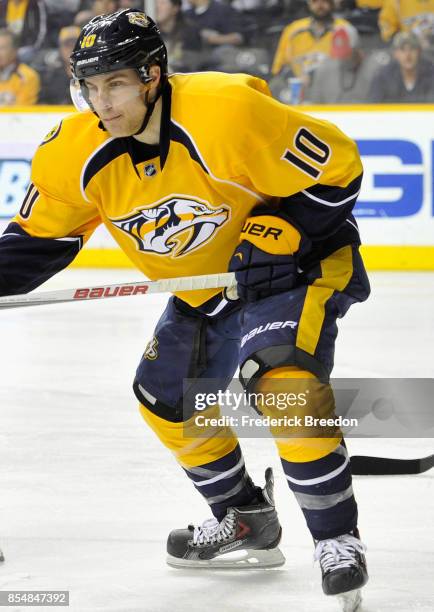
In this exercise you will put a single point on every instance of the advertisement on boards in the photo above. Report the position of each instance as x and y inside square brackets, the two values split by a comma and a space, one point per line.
[395, 206]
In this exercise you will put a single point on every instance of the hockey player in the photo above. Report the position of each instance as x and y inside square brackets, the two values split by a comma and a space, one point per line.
[195, 173]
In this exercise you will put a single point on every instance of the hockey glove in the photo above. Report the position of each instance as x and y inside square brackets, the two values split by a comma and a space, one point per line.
[265, 262]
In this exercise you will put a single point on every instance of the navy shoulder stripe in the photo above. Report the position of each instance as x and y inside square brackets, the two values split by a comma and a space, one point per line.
[110, 150]
[333, 195]
[177, 134]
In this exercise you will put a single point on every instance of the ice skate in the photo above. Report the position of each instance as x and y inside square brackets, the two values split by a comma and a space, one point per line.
[247, 537]
[343, 567]
[2, 557]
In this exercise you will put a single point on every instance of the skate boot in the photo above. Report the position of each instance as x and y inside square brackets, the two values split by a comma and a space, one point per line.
[247, 537]
[343, 567]
[2, 557]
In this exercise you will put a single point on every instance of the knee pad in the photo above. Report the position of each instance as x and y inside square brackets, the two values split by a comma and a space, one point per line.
[273, 357]
[291, 391]
[297, 401]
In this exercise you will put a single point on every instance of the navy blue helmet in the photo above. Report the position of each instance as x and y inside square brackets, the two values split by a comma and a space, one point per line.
[125, 39]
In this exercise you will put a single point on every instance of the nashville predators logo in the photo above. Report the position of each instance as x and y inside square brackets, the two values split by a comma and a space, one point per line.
[151, 351]
[52, 134]
[176, 226]
[139, 19]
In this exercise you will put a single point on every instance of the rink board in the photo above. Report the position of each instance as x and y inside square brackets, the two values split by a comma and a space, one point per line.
[395, 210]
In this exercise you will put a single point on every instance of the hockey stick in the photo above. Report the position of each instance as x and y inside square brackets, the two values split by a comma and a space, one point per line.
[385, 466]
[182, 283]
[361, 465]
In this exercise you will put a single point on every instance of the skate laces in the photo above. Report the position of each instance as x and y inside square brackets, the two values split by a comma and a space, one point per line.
[338, 552]
[211, 531]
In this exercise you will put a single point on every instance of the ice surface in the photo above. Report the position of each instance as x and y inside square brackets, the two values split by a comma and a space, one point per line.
[88, 495]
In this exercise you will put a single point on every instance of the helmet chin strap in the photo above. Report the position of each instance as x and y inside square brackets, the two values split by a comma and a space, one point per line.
[149, 110]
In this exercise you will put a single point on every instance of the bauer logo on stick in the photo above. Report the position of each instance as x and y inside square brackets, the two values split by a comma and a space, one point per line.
[94, 293]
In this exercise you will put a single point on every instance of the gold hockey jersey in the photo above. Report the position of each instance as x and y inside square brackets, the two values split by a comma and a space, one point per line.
[301, 48]
[405, 15]
[177, 209]
[19, 85]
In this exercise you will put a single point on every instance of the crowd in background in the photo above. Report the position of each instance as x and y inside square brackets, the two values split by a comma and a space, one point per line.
[310, 51]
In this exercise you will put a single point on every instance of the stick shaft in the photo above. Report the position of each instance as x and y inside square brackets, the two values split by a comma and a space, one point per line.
[98, 292]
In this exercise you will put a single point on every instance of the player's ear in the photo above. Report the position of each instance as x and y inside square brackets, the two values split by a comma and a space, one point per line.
[155, 73]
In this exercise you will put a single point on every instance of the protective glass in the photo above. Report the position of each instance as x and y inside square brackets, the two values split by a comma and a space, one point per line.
[114, 93]
[77, 97]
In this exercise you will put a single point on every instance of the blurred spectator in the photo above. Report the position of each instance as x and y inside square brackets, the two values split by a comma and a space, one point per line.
[369, 4]
[181, 38]
[60, 13]
[218, 23]
[346, 76]
[263, 20]
[409, 79]
[98, 7]
[136, 4]
[72, 6]
[363, 15]
[27, 20]
[362, 4]
[57, 75]
[246, 5]
[305, 43]
[405, 15]
[250, 5]
[19, 84]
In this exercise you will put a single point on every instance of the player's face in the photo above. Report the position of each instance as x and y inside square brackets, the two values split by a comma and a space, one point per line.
[118, 99]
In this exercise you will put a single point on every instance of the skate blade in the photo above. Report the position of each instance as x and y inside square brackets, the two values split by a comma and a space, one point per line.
[245, 559]
[350, 601]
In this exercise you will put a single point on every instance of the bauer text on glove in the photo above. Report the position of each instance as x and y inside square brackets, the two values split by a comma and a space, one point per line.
[265, 261]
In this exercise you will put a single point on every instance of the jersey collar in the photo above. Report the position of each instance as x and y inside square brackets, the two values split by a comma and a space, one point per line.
[166, 96]
[140, 151]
